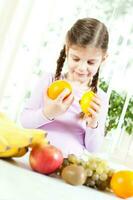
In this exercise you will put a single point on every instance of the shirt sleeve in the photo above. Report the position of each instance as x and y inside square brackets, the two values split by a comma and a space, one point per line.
[32, 115]
[94, 137]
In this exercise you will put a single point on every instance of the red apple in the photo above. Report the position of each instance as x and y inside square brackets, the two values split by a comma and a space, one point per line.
[45, 159]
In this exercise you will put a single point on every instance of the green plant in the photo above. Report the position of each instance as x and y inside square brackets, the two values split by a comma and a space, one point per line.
[116, 104]
[103, 85]
[128, 120]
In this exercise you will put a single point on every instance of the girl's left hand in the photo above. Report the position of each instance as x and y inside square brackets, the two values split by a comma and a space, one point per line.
[92, 119]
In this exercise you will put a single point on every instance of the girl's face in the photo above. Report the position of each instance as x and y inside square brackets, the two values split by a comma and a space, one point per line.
[83, 63]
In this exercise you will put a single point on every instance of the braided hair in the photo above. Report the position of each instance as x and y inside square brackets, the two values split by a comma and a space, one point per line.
[60, 63]
[94, 82]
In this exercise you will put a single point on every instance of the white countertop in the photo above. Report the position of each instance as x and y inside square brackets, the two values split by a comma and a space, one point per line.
[18, 181]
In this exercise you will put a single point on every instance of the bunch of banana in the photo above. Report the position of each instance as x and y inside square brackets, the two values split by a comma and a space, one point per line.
[15, 141]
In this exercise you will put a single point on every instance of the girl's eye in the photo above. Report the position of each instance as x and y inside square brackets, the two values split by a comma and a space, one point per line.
[76, 59]
[90, 63]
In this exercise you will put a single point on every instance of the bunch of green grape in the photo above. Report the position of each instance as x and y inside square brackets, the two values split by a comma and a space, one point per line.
[98, 173]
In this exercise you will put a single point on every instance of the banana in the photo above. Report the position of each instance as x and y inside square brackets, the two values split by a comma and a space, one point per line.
[37, 136]
[3, 144]
[18, 137]
[14, 140]
[9, 153]
[14, 152]
[21, 152]
[15, 137]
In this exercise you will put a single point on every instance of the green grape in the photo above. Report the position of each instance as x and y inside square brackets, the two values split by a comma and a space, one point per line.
[95, 177]
[99, 170]
[103, 177]
[89, 172]
[93, 165]
[72, 158]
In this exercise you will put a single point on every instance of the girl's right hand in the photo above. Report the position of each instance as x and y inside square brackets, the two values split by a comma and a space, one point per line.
[54, 108]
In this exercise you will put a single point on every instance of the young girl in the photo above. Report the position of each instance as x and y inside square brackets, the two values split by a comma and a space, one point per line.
[85, 50]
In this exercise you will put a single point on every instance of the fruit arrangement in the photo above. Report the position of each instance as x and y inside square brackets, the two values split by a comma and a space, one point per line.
[15, 141]
[47, 159]
[95, 172]
[57, 87]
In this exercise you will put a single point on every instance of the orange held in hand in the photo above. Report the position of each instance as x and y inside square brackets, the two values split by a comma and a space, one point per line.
[85, 101]
[122, 184]
[57, 88]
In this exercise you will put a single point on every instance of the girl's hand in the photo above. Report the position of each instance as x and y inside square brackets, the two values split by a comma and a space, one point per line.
[54, 108]
[92, 119]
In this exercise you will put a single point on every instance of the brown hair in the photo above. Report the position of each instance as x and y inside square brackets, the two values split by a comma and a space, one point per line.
[86, 31]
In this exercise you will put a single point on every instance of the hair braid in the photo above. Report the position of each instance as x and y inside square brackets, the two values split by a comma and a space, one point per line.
[94, 82]
[60, 63]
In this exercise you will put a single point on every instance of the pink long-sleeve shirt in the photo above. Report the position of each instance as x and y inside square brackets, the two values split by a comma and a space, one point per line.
[67, 132]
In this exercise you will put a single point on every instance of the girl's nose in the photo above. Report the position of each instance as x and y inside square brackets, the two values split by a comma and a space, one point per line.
[83, 65]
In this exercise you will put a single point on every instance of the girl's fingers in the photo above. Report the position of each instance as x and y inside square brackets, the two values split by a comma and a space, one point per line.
[92, 112]
[63, 95]
[95, 107]
[97, 100]
[68, 101]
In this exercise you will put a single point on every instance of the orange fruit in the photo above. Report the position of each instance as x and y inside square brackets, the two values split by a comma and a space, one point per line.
[122, 183]
[57, 88]
[85, 101]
